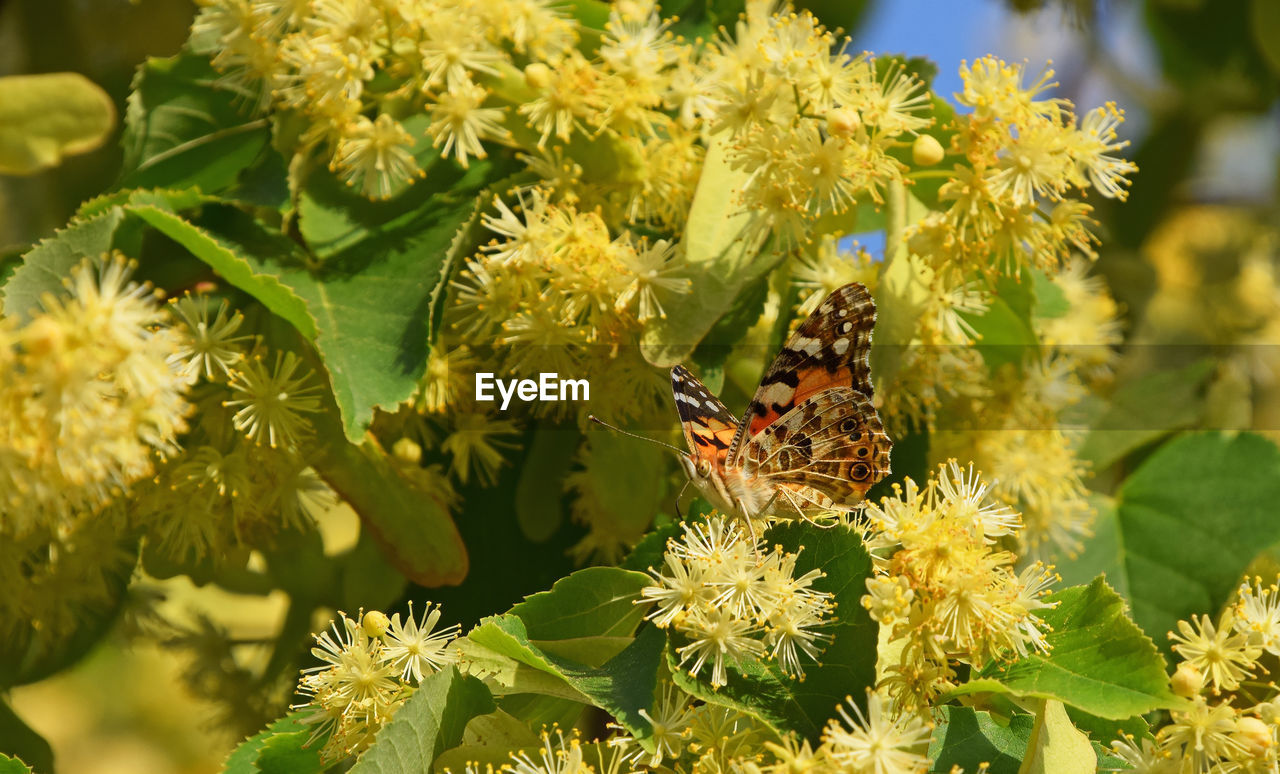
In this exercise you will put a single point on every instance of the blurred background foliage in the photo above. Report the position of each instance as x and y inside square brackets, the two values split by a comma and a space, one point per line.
[1192, 257]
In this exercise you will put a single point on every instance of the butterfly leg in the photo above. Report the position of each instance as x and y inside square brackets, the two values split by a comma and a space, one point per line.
[741, 506]
[679, 515]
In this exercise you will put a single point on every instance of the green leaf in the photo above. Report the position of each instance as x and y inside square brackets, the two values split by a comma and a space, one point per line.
[1057, 746]
[488, 740]
[622, 687]
[12, 765]
[540, 491]
[374, 301]
[18, 740]
[45, 267]
[968, 738]
[48, 116]
[244, 759]
[1146, 409]
[411, 525]
[1264, 20]
[723, 256]
[289, 754]
[430, 722]
[848, 664]
[1102, 732]
[1191, 518]
[186, 125]
[1050, 301]
[596, 601]
[627, 479]
[231, 266]
[903, 293]
[1098, 659]
[648, 553]
[1004, 331]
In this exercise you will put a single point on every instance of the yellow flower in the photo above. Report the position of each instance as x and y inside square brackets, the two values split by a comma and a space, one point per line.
[875, 741]
[476, 443]
[1224, 657]
[375, 156]
[270, 402]
[93, 393]
[211, 344]
[458, 121]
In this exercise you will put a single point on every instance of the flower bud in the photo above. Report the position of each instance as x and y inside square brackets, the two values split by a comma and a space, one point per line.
[1254, 735]
[407, 451]
[538, 76]
[375, 623]
[1187, 681]
[926, 150]
[842, 122]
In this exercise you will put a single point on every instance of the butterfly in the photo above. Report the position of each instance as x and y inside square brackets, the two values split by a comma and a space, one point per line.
[810, 438]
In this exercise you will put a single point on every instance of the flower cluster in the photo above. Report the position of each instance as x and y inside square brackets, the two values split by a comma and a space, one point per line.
[694, 738]
[618, 127]
[370, 665]
[1023, 157]
[943, 588]
[559, 294]
[1230, 725]
[92, 398]
[733, 602]
[92, 401]
[243, 476]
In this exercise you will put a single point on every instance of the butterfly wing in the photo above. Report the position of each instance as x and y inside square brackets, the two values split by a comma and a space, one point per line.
[824, 453]
[830, 349]
[708, 426]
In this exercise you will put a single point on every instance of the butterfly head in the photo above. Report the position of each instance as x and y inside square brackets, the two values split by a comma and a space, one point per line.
[697, 469]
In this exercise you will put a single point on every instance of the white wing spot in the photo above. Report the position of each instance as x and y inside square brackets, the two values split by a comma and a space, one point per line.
[809, 346]
[842, 313]
[840, 346]
[776, 393]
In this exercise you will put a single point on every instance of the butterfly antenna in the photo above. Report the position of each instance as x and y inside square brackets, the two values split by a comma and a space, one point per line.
[600, 421]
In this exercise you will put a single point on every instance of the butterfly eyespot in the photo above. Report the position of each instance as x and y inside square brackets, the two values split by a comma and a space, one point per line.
[860, 472]
[704, 468]
[862, 451]
[848, 425]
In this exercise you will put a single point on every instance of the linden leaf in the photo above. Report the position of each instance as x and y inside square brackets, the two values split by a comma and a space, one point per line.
[723, 255]
[1098, 659]
[430, 722]
[231, 266]
[46, 117]
[622, 686]
[488, 740]
[968, 738]
[19, 740]
[12, 765]
[1191, 519]
[46, 266]
[243, 760]
[186, 125]
[1144, 410]
[1057, 746]
[592, 602]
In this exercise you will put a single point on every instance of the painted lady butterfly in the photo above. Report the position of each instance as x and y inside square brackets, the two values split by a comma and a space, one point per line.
[811, 439]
